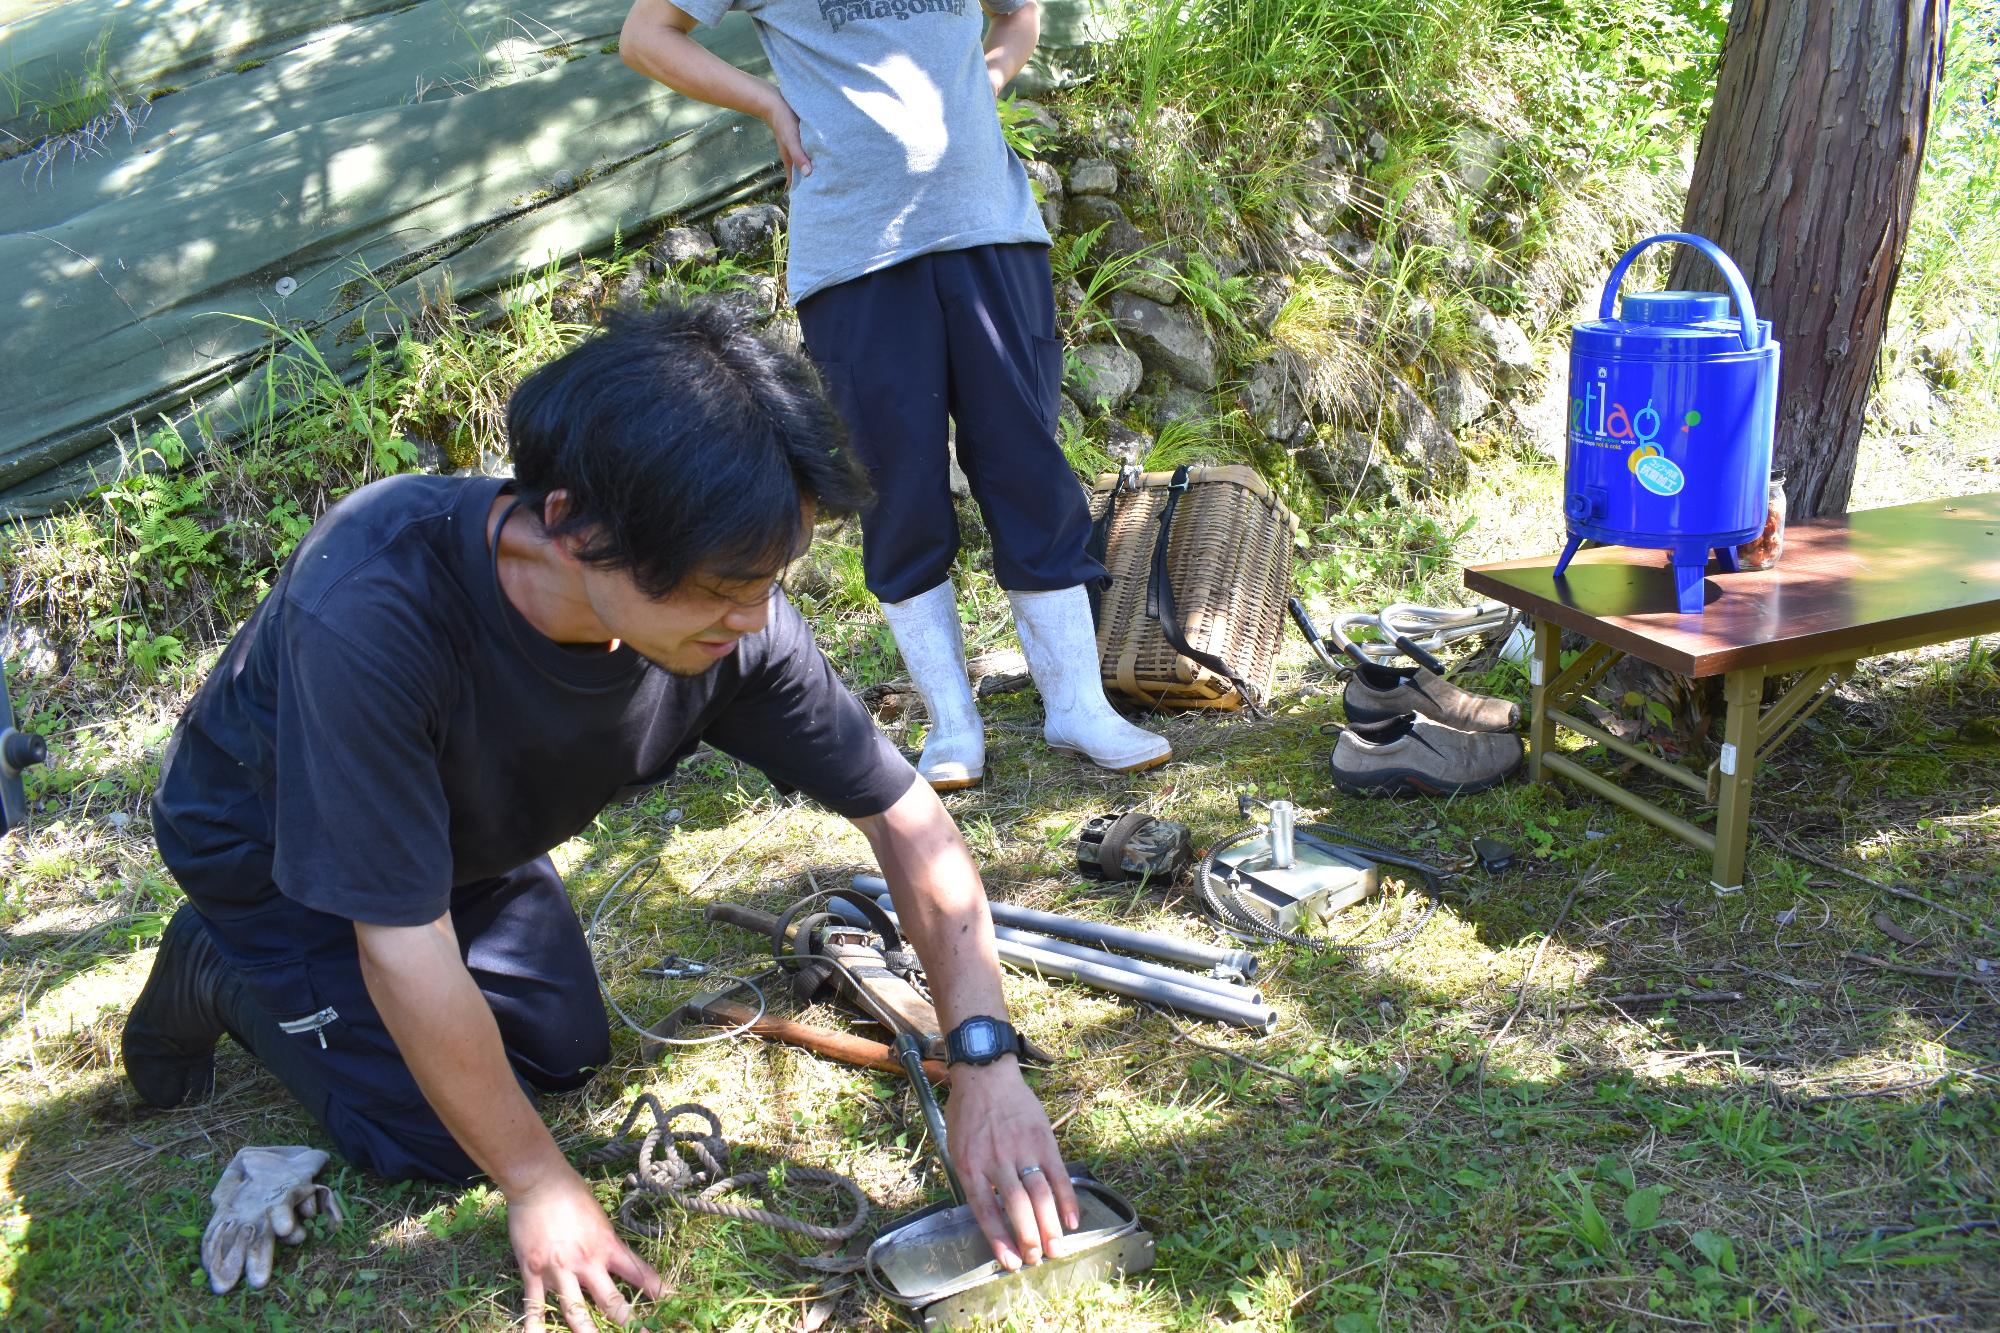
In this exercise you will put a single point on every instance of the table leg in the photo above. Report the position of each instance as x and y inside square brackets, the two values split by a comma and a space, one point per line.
[1542, 671]
[1744, 691]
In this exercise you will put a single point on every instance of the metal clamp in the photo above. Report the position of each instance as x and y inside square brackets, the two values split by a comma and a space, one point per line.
[675, 968]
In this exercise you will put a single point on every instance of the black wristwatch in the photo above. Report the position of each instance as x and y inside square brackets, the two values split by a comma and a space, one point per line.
[981, 1041]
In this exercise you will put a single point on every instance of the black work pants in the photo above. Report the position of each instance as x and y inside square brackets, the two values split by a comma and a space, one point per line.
[298, 1003]
[970, 335]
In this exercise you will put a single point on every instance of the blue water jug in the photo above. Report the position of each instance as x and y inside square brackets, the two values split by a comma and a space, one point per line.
[1671, 412]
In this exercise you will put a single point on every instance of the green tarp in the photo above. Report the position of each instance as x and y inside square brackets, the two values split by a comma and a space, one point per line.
[376, 155]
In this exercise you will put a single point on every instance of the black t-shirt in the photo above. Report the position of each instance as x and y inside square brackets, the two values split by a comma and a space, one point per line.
[387, 727]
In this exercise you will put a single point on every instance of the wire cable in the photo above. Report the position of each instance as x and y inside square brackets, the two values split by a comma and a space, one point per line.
[651, 865]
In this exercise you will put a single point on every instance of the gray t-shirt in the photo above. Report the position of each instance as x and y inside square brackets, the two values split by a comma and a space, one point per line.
[896, 112]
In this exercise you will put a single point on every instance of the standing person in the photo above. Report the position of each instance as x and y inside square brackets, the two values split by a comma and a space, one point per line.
[452, 676]
[919, 267]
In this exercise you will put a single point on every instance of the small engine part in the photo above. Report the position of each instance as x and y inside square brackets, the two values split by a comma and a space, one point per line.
[1494, 856]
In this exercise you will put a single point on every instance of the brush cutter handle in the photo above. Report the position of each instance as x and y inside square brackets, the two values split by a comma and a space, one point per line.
[748, 918]
[844, 1047]
[1303, 619]
[912, 1056]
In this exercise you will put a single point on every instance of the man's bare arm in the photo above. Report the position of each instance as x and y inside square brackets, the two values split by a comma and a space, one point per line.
[562, 1239]
[655, 42]
[997, 1125]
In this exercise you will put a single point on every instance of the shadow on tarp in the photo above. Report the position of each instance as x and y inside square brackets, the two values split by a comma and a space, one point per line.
[367, 165]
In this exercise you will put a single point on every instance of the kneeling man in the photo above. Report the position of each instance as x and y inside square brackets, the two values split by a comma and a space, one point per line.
[450, 677]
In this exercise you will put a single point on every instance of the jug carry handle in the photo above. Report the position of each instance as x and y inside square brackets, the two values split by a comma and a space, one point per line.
[1746, 308]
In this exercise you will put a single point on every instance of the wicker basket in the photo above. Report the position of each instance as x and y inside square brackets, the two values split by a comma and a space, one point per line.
[1228, 566]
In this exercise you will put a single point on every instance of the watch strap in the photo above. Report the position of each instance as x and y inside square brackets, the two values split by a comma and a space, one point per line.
[1006, 1041]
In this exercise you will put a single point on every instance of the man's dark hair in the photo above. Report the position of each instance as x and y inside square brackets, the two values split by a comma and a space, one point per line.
[687, 444]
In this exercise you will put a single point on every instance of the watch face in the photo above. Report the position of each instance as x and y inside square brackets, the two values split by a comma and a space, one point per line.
[980, 1039]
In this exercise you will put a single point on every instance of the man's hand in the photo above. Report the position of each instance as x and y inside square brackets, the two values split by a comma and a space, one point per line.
[655, 42]
[996, 1126]
[998, 1130]
[562, 1239]
[569, 1254]
[784, 125]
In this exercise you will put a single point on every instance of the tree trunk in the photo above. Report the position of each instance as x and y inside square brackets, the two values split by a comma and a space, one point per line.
[1806, 176]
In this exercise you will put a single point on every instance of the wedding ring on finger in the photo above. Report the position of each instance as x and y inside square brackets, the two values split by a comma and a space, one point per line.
[1032, 1169]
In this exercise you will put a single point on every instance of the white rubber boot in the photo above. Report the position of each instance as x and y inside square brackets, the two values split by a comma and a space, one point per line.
[933, 647]
[1061, 648]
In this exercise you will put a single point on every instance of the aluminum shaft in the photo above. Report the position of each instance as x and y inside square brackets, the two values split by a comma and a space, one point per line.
[1173, 976]
[1168, 995]
[1164, 948]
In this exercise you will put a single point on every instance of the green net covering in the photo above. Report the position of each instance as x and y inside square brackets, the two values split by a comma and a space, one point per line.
[320, 169]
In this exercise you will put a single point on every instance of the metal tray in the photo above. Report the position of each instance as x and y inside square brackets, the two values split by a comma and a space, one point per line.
[937, 1263]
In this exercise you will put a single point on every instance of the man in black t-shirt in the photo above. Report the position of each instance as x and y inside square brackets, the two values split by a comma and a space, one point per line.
[449, 678]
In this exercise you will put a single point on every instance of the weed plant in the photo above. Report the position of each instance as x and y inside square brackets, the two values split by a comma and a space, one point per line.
[1948, 293]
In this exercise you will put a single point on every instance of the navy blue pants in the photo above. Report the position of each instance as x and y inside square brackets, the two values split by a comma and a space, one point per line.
[304, 1011]
[968, 334]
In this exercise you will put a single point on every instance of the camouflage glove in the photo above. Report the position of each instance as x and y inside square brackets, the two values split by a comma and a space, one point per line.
[265, 1195]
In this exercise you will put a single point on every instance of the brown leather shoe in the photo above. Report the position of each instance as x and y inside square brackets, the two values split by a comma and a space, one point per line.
[1414, 754]
[1381, 694]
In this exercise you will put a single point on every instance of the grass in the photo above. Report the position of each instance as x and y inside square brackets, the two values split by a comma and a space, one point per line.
[1479, 1130]
[1816, 1154]
[1950, 282]
[75, 113]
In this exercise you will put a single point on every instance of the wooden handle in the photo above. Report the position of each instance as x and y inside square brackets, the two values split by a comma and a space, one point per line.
[749, 918]
[884, 996]
[845, 1047]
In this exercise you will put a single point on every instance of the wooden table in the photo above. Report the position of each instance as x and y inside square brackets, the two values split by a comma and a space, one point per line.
[1848, 587]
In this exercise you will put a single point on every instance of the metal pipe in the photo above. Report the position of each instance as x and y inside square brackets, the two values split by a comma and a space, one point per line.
[1117, 980]
[1281, 835]
[1186, 999]
[1083, 953]
[1164, 948]
[1631, 801]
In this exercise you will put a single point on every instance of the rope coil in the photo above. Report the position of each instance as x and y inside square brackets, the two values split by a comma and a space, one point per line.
[693, 1173]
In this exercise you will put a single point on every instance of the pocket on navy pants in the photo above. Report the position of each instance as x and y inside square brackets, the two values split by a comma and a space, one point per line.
[307, 1014]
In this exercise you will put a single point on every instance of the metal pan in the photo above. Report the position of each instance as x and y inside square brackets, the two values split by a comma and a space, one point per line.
[938, 1264]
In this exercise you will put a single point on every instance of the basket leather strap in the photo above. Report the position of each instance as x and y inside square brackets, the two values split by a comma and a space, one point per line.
[1098, 548]
[1160, 597]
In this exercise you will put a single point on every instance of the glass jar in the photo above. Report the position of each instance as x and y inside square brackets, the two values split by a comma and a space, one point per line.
[1763, 550]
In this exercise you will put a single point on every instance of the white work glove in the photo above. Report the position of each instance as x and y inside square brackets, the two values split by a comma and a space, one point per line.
[265, 1195]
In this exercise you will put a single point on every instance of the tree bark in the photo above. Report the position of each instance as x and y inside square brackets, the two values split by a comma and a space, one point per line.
[1806, 176]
